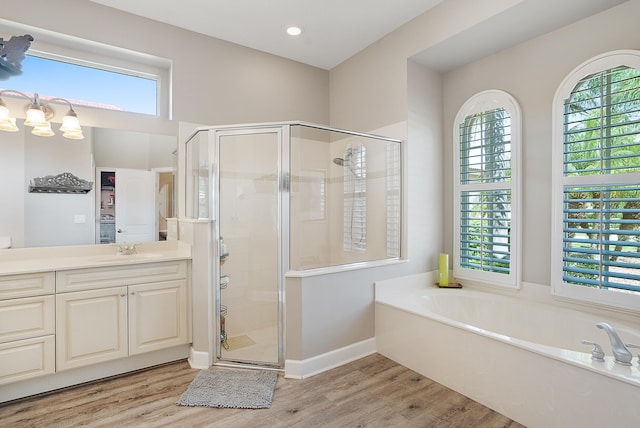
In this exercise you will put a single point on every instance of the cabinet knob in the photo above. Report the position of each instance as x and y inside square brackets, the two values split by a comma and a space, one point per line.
[123, 295]
[133, 292]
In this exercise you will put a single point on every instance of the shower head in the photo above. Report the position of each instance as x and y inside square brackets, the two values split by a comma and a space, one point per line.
[344, 161]
[339, 161]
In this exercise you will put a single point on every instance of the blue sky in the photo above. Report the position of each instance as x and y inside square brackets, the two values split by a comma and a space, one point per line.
[74, 82]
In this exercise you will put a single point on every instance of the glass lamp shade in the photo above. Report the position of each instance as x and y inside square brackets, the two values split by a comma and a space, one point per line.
[35, 116]
[43, 129]
[70, 122]
[73, 134]
[7, 123]
[4, 111]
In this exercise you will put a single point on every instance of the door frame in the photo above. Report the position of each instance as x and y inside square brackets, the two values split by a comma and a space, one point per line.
[283, 135]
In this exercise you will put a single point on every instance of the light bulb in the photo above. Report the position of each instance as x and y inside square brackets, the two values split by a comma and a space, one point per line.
[294, 30]
[35, 116]
[70, 122]
[7, 123]
[4, 111]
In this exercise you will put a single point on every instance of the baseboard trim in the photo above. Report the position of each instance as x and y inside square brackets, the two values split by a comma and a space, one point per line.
[301, 369]
[198, 359]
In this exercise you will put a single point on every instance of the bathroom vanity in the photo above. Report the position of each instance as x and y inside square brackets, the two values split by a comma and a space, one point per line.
[72, 314]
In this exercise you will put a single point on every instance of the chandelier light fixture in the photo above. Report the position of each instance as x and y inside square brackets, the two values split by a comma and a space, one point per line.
[38, 116]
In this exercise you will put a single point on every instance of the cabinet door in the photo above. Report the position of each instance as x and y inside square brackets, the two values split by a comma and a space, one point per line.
[157, 316]
[91, 327]
[25, 359]
[25, 318]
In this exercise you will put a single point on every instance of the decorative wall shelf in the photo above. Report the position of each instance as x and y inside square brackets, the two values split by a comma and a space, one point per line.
[61, 183]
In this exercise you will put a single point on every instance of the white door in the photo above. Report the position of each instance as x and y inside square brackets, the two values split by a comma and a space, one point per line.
[136, 210]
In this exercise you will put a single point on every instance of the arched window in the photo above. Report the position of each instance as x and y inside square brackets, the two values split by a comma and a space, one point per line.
[487, 140]
[596, 182]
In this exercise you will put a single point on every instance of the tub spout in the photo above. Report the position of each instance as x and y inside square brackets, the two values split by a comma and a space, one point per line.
[620, 352]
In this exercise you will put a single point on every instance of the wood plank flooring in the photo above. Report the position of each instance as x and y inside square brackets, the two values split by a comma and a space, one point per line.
[371, 392]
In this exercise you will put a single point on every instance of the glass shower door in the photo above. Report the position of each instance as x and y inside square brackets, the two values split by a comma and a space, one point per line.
[249, 290]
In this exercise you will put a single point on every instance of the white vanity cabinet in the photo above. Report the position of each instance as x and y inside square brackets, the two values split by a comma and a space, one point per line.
[27, 326]
[91, 327]
[112, 312]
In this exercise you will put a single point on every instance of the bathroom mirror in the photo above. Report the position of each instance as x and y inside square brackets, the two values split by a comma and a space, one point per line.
[55, 219]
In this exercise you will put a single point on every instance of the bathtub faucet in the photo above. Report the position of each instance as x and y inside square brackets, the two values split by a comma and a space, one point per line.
[620, 352]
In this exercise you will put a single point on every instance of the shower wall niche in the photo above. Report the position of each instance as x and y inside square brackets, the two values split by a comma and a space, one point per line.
[286, 197]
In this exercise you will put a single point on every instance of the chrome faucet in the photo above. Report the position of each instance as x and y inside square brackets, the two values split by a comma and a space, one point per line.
[620, 352]
[127, 249]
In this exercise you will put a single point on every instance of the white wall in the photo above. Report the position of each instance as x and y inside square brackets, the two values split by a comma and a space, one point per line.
[38, 219]
[50, 218]
[11, 187]
[134, 150]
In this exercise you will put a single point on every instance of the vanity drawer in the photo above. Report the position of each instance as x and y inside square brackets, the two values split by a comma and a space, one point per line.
[26, 317]
[24, 359]
[116, 276]
[25, 285]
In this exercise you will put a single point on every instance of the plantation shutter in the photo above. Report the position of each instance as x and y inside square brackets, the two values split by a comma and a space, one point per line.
[601, 181]
[394, 198]
[485, 191]
[355, 200]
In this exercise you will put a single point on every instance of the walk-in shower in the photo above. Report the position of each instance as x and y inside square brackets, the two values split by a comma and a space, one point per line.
[285, 197]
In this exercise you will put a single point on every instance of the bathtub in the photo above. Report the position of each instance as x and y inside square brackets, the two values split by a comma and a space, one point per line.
[519, 356]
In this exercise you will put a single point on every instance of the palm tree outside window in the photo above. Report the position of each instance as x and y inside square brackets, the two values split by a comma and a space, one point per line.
[601, 203]
[486, 184]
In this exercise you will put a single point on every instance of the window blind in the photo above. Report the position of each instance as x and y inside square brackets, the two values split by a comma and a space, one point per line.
[355, 200]
[485, 196]
[393, 194]
[601, 221]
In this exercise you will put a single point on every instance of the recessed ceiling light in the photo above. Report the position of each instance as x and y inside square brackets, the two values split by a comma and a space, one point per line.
[294, 30]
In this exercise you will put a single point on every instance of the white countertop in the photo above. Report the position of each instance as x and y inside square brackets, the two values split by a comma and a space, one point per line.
[29, 260]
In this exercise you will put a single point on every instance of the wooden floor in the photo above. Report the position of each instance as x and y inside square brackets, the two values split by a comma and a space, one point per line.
[371, 392]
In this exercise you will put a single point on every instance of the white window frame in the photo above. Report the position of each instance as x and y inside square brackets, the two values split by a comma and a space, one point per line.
[560, 289]
[61, 47]
[478, 103]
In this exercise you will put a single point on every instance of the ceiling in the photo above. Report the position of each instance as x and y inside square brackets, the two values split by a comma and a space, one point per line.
[333, 30]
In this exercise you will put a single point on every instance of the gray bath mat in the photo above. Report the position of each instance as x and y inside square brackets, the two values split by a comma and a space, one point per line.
[231, 388]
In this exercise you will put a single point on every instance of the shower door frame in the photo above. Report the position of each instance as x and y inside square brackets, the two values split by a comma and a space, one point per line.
[282, 224]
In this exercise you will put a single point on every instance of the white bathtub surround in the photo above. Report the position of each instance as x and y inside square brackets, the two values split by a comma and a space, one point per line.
[512, 353]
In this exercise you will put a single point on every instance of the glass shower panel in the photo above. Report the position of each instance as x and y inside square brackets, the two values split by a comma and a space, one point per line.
[197, 176]
[346, 197]
[248, 220]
